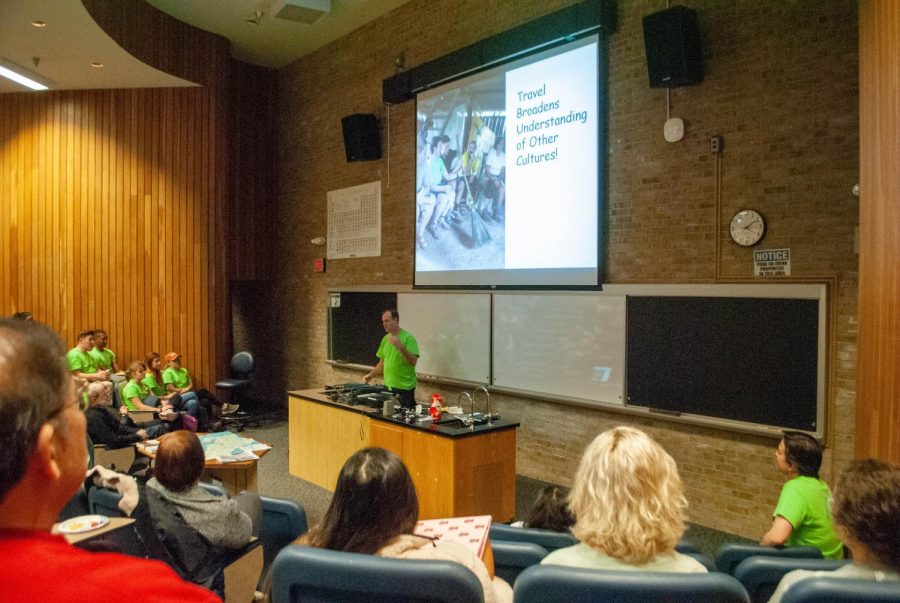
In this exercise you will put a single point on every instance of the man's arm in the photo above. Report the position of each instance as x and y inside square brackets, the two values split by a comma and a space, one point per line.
[378, 370]
[98, 376]
[410, 358]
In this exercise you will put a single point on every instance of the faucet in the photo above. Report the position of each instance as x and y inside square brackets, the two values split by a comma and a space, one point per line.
[487, 396]
[471, 404]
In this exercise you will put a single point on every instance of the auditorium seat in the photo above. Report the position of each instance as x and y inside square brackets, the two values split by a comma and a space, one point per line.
[760, 574]
[732, 553]
[309, 574]
[542, 583]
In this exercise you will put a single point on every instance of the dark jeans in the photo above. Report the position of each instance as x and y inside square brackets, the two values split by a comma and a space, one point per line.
[407, 397]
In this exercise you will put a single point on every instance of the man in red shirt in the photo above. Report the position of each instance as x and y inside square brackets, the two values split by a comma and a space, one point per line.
[43, 457]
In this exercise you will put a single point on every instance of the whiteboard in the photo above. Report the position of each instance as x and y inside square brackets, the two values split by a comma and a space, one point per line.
[569, 345]
[453, 331]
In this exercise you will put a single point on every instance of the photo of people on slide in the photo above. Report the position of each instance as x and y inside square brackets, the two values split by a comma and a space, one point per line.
[460, 176]
[507, 178]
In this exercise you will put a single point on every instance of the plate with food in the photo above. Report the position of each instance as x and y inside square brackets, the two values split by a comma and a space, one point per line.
[84, 523]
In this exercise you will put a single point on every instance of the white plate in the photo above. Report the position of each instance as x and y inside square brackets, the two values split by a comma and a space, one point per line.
[84, 523]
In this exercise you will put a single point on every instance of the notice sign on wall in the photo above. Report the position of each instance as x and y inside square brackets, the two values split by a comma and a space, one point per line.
[354, 221]
[772, 262]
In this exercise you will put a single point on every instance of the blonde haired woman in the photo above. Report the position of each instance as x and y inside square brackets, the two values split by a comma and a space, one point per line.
[629, 507]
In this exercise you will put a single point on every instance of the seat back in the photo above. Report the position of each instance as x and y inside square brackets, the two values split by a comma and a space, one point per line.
[760, 575]
[732, 553]
[842, 590]
[548, 539]
[511, 558]
[117, 459]
[282, 522]
[242, 365]
[542, 583]
[308, 574]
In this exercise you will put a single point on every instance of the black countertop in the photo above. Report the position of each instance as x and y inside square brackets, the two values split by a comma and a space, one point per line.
[447, 426]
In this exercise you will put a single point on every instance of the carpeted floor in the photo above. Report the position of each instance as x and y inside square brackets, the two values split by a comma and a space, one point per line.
[275, 481]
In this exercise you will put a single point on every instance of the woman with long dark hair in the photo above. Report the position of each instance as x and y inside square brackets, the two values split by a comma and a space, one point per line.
[374, 510]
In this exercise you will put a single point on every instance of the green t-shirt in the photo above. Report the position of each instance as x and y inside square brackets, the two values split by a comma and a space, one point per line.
[397, 371]
[179, 378]
[155, 388]
[805, 503]
[104, 359]
[80, 361]
[133, 389]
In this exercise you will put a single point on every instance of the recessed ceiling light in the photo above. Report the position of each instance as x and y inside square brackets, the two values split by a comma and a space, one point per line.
[97, 64]
[39, 23]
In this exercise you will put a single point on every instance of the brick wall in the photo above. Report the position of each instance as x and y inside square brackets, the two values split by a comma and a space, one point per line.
[780, 86]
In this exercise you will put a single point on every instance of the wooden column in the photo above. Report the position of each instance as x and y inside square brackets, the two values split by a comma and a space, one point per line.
[878, 389]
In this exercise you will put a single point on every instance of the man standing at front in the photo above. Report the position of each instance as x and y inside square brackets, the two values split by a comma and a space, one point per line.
[44, 444]
[397, 357]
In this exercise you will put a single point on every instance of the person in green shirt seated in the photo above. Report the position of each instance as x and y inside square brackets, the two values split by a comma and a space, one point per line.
[802, 517]
[103, 356]
[83, 366]
[177, 380]
[153, 377]
[137, 396]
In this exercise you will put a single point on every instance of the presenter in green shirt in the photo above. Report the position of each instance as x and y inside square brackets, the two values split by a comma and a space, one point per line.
[397, 358]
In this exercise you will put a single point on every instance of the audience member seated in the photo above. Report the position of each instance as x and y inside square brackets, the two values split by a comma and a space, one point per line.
[550, 511]
[103, 356]
[83, 366]
[374, 511]
[42, 439]
[153, 378]
[177, 380]
[115, 429]
[629, 507]
[801, 517]
[866, 510]
[227, 523]
[137, 396]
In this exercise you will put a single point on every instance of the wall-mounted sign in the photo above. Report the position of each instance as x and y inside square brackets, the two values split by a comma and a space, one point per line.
[772, 262]
[354, 222]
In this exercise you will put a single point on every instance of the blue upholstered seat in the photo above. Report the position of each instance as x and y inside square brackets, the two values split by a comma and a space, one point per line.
[511, 558]
[548, 539]
[732, 553]
[842, 590]
[314, 575]
[760, 574]
[542, 583]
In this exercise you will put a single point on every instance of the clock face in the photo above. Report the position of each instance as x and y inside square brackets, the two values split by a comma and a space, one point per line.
[747, 227]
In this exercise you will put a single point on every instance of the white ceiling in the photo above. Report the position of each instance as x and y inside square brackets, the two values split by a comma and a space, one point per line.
[71, 41]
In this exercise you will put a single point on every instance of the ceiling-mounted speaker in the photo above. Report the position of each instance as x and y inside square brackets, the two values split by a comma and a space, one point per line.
[672, 43]
[303, 11]
[361, 141]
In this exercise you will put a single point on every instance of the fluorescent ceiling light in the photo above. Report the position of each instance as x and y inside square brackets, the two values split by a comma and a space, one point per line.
[11, 71]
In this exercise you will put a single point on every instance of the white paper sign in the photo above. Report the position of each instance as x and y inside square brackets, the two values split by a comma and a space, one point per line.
[354, 222]
[772, 262]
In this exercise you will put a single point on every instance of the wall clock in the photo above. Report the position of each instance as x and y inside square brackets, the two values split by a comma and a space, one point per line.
[747, 227]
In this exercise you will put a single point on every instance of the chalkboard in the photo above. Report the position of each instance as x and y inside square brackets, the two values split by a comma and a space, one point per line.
[561, 345]
[754, 360]
[453, 331]
[354, 325]
[750, 357]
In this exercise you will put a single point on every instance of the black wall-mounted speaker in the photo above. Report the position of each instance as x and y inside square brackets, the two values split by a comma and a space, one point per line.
[361, 141]
[672, 43]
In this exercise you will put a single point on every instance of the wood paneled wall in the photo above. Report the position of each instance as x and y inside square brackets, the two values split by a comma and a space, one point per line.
[878, 390]
[113, 216]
